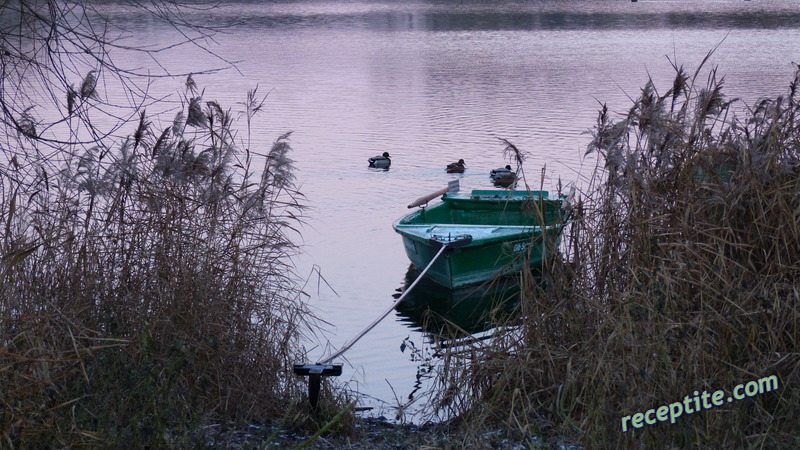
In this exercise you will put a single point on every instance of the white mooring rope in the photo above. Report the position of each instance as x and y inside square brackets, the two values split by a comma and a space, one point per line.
[386, 313]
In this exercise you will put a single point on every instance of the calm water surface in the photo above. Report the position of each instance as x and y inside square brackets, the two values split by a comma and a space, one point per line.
[432, 82]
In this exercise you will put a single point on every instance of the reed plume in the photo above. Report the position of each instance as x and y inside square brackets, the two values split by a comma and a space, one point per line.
[677, 274]
[141, 293]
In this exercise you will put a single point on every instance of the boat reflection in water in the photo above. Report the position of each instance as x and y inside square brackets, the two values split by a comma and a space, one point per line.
[453, 321]
[457, 313]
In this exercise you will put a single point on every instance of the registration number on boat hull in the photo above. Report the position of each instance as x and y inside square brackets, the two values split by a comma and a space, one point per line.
[519, 247]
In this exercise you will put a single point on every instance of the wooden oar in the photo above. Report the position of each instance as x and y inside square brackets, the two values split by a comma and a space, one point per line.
[426, 198]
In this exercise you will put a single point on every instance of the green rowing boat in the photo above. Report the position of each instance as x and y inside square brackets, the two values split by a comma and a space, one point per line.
[496, 233]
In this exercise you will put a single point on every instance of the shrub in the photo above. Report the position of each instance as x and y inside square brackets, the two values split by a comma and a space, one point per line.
[146, 287]
[679, 275]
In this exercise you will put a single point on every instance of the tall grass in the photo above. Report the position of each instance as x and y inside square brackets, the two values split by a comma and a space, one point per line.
[680, 274]
[146, 286]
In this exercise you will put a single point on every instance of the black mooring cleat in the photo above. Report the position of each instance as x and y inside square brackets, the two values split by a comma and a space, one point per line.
[452, 242]
[315, 372]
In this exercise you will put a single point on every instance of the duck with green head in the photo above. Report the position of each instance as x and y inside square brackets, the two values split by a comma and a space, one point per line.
[503, 177]
[381, 161]
[503, 171]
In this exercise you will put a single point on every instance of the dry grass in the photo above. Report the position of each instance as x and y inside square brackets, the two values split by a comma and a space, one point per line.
[146, 287]
[680, 275]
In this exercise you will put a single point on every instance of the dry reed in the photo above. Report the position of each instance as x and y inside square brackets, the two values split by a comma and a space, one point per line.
[679, 273]
[146, 288]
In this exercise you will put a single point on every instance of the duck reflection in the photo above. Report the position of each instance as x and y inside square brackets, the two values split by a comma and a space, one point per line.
[443, 312]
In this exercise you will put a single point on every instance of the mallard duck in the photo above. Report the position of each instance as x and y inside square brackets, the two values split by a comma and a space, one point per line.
[506, 180]
[501, 172]
[381, 161]
[456, 167]
[503, 177]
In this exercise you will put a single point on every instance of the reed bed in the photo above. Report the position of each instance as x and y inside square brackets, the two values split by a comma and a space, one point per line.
[679, 273]
[146, 286]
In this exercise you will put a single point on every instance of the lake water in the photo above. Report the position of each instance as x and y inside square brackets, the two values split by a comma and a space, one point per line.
[432, 82]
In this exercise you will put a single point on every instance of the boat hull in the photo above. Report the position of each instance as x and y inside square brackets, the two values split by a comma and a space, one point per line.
[452, 313]
[475, 264]
[503, 239]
